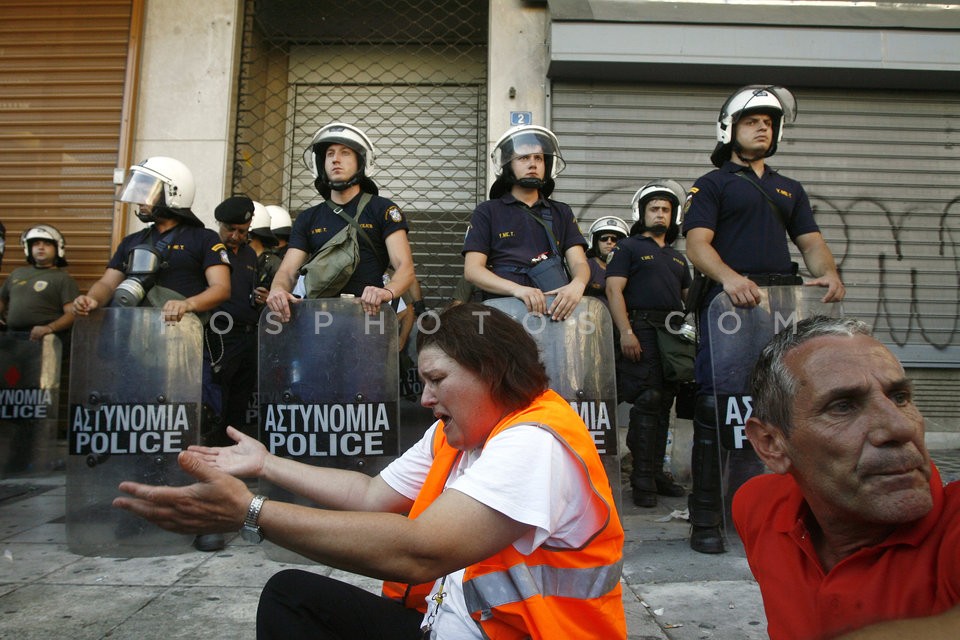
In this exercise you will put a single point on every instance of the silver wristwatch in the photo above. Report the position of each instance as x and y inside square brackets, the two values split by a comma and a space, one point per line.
[250, 531]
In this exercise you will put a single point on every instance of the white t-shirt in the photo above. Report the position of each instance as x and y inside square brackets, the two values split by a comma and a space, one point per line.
[524, 473]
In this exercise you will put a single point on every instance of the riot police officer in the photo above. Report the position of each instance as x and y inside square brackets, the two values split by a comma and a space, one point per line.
[38, 298]
[263, 240]
[736, 222]
[341, 159]
[520, 243]
[647, 282]
[280, 227]
[603, 235]
[193, 270]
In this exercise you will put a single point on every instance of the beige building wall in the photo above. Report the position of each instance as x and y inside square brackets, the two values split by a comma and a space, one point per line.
[187, 91]
[518, 59]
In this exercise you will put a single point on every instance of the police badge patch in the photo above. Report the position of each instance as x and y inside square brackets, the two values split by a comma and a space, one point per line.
[393, 213]
[689, 200]
[40, 285]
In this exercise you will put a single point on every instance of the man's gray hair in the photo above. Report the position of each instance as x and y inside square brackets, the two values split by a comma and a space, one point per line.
[772, 385]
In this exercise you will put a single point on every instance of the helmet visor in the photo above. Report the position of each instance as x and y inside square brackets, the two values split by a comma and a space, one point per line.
[525, 143]
[142, 188]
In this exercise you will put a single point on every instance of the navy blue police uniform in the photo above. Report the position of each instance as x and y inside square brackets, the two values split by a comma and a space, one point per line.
[504, 230]
[233, 328]
[379, 219]
[597, 287]
[749, 235]
[655, 277]
[189, 251]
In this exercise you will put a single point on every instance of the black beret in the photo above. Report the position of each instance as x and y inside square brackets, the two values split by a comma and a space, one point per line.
[235, 210]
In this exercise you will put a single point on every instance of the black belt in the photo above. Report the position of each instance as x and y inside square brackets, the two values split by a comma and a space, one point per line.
[653, 316]
[775, 279]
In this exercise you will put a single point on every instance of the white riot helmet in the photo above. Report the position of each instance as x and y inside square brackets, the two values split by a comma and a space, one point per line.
[159, 181]
[260, 224]
[774, 101]
[607, 224]
[349, 136]
[518, 140]
[44, 232]
[280, 223]
[661, 188]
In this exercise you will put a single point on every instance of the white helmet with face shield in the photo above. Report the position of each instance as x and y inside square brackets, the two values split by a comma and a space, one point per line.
[520, 141]
[659, 189]
[775, 101]
[161, 183]
[351, 137]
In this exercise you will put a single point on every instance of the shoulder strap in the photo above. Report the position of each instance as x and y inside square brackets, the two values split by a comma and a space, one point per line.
[547, 222]
[166, 239]
[361, 205]
[784, 219]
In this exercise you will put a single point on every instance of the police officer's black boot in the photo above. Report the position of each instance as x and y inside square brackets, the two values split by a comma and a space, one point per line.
[666, 485]
[642, 442]
[706, 501]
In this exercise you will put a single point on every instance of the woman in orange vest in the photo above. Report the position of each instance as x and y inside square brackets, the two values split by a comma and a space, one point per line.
[499, 523]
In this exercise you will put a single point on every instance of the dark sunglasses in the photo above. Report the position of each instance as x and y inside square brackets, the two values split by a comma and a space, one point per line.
[609, 238]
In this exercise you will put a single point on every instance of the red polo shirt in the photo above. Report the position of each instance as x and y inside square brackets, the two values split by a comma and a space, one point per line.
[913, 573]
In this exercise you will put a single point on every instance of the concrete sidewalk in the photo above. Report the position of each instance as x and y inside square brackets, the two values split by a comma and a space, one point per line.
[47, 592]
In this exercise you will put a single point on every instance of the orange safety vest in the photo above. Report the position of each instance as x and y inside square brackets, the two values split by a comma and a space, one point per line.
[553, 592]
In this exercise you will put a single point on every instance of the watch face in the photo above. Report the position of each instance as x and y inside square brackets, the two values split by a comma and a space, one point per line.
[251, 534]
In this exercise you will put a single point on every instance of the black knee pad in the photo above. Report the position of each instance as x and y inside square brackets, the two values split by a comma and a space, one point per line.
[647, 402]
[705, 411]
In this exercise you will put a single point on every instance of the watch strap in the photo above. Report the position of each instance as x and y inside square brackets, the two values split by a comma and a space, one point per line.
[253, 511]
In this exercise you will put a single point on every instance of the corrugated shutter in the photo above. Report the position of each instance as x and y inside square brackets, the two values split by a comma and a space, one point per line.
[882, 172]
[62, 67]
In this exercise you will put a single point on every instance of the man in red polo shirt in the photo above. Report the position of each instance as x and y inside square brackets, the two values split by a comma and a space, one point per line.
[854, 529]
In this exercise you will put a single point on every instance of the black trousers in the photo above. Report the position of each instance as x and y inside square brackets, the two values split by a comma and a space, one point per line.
[297, 605]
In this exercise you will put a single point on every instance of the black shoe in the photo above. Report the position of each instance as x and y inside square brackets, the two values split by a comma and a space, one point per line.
[706, 540]
[645, 499]
[667, 486]
[209, 542]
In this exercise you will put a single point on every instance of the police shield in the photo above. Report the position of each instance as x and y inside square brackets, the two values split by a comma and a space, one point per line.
[737, 336]
[579, 357]
[29, 402]
[134, 404]
[328, 391]
[414, 417]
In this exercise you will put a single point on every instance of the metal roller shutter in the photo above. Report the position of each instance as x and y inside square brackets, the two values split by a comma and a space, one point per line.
[62, 74]
[881, 170]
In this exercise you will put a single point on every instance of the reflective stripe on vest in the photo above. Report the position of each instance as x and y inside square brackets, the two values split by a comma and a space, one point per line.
[521, 582]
